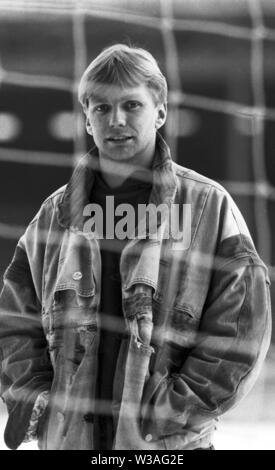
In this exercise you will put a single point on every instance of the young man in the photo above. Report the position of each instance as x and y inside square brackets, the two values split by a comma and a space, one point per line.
[120, 335]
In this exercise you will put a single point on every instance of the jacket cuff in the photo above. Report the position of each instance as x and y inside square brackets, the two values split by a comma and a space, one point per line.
[39, 408]
[19, 419]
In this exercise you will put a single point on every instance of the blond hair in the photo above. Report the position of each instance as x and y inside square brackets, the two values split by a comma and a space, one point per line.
[123, 65]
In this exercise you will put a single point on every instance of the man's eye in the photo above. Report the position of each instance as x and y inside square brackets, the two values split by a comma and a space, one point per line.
[102, 108]
[133, 105]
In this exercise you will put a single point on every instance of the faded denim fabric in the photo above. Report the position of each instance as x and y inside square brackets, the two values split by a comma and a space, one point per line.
[197, 320]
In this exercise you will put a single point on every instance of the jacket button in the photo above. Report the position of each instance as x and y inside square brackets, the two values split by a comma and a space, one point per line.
[77, 275]
[148, 437]
[60, 416]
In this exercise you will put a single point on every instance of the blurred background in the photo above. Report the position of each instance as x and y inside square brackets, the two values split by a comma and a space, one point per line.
[218, 57]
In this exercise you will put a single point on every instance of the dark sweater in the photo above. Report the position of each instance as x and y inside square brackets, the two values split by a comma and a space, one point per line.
[133, 191]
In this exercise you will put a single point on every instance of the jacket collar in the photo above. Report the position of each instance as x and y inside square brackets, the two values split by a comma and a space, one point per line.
[78, 190]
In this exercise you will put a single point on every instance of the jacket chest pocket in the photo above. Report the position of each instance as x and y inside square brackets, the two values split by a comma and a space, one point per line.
[69, 285]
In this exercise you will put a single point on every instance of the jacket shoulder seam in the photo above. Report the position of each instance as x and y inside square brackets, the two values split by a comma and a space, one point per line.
[56, 194]
[187, 173]
[49, 200]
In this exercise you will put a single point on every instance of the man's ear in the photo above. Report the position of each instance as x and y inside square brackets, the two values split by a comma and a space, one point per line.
[161, 116]
[89, 126]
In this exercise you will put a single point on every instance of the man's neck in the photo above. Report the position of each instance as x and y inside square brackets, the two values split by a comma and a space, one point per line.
[115, 173]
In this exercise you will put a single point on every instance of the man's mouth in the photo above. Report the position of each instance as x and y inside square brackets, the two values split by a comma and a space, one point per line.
[122, 138]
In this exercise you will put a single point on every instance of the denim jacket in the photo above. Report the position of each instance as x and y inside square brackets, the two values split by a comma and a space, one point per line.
[197, 319]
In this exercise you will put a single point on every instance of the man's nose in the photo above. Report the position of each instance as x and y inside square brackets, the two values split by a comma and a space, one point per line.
[117, 117]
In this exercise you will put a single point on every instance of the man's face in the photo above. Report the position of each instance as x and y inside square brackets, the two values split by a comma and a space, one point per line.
[123, 123]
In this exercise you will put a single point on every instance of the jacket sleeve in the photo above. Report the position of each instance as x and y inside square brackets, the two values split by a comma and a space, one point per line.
[228, 350]
[26, 369]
